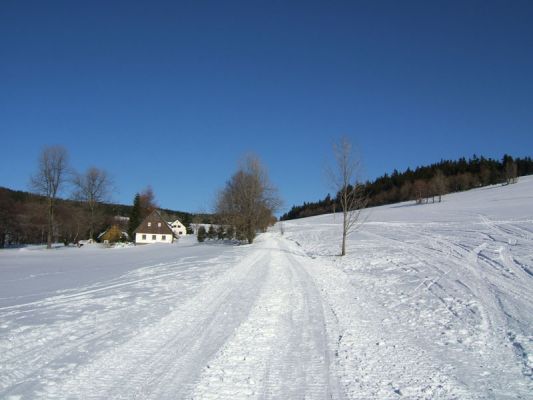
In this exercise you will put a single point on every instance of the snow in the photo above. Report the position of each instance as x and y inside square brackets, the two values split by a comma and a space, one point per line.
[431, 301]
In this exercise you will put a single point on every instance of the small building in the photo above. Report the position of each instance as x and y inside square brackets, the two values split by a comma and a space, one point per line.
[178, 228]
[154, 229]
[112, 235]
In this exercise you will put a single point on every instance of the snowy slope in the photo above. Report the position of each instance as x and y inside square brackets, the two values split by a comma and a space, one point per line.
[443, 295]
[432, 301]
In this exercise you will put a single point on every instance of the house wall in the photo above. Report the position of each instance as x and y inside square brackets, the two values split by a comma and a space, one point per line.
[158, 238]
[178, 227]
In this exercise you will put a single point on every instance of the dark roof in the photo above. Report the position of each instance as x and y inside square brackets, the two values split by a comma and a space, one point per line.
[154, 218]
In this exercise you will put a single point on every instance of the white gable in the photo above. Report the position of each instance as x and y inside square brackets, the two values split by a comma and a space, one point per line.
[178, 228]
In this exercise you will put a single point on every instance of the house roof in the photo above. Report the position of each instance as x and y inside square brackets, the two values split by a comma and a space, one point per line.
[155, 219]
[113, 227]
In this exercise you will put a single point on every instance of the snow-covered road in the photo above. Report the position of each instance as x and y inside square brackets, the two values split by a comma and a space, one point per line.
[431, 302]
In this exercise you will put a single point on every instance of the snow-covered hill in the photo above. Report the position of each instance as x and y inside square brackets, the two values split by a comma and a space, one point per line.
[443, 295]
[432, 301]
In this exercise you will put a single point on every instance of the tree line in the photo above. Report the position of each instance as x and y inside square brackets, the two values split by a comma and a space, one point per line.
[23, 218]
[42, 216]
[425, 183]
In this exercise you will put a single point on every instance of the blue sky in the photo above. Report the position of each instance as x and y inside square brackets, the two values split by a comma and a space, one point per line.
[173, 94]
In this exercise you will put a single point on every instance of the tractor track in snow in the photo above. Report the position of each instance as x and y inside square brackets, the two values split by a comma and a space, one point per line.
[282, 350]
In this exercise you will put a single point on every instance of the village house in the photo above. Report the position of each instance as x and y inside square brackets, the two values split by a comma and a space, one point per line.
[178, 228]
[113, 234]
[154, 229]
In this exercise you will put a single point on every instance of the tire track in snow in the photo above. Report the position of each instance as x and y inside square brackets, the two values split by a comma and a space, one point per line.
[466, 335]
[163, 359]
[55, 335]
[60, 298]
[281, 351]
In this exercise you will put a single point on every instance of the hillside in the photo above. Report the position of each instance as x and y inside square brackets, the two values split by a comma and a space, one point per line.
[425, 183]
[432, 302]
[442, 301]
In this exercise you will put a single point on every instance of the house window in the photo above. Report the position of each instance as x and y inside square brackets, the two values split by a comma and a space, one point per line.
[144, 237]
[159, 224]
[149, 224]
[154, 237]
[164, 237]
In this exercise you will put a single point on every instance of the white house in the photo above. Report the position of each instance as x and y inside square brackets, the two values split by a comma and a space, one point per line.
[178, 228]
[154, 229]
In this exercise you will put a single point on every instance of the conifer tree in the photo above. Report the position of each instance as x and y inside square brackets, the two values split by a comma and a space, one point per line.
[220, 232]
[135, 216]
[201, 234]
[211, 233]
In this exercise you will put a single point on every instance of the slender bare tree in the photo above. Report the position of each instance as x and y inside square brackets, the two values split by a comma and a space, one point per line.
[420, 189]
[51, 174]
[510, 171]
[438, 185]
[345, 178]
[91, 188]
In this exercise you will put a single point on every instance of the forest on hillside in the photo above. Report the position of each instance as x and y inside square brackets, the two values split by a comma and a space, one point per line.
[426, 182]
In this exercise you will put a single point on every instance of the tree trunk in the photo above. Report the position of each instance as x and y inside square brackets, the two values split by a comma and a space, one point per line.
[91, 228]
[344, 233]
[50, 225]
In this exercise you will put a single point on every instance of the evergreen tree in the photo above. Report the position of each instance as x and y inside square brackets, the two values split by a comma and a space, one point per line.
[211, 233]
[220, 232]
[135, 216]
[201, 234]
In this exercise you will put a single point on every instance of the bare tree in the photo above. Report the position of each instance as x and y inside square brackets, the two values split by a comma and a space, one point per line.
[345, 177]
[91, 188]
[147, 201]
[438, 185]
[510, 171]
[248, 200]
[50, 176]
[70, 221]
[420, 190]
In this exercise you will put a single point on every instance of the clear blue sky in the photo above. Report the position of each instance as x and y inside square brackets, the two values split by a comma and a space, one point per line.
[172, 94]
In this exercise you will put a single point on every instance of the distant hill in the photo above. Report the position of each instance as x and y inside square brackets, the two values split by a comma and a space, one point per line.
[426, 182]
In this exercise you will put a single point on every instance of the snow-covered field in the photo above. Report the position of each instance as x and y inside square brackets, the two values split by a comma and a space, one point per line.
[432, 301]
